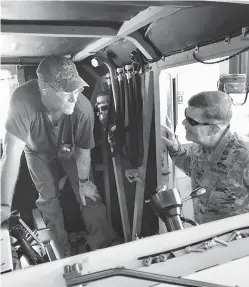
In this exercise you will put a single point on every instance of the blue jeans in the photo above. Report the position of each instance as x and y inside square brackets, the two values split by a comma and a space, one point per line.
[45, 175]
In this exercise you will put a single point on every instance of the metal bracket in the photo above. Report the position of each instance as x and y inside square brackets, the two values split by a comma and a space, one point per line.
[196, 50]
[133, 175]
[227, 40]
[146, 49]
[245, 33]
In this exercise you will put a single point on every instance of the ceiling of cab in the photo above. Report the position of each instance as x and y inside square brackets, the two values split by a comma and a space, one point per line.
[110, 12]
[34, 29]
[35, 46]
[51, 13]
[197, 25]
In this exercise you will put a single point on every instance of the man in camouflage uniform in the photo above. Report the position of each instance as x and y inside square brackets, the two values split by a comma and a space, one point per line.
[218, 160]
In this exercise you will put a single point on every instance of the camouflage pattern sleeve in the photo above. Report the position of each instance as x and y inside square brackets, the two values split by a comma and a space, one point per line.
[246, 173]
[181, 158]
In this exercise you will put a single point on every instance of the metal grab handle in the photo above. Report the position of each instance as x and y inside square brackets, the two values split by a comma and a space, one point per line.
[112, 77]
[82, 279]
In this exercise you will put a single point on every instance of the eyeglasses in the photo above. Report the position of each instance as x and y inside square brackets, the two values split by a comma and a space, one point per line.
[65, 94]
[193, 122]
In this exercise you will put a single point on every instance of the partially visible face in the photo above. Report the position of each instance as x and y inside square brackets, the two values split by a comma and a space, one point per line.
[62, 101]
[197, 128]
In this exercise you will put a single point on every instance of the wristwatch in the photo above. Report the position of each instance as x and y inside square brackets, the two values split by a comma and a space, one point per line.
[5, 204]
[83, 180]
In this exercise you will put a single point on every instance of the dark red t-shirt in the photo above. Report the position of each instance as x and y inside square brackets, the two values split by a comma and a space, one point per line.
[28, 121]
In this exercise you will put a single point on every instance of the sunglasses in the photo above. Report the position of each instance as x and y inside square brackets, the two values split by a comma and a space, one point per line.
[193, 122]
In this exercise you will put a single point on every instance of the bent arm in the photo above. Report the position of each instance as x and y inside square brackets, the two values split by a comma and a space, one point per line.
[181, 158]
[179, 155]
[12, 151]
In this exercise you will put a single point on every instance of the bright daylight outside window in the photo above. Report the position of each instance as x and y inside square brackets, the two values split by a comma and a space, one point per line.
[194, 78]
[8, 83]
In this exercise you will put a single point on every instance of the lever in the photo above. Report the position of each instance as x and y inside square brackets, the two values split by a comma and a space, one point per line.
[16, 214]
[196, 193]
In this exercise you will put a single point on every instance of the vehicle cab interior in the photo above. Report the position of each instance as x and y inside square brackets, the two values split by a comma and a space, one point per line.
[142, 62]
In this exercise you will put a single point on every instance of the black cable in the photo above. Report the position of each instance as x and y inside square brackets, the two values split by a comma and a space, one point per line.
[190, 221]
[138, 119]
[148, 61]
[222, 60]
[186, 49]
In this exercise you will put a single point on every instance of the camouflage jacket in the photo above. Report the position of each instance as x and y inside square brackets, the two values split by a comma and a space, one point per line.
[223, 171]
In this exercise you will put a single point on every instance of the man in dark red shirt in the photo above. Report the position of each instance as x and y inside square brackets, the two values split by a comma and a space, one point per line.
[52, 121]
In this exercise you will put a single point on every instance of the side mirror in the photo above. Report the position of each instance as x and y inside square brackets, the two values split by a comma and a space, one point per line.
[196, 193]
[236, 86]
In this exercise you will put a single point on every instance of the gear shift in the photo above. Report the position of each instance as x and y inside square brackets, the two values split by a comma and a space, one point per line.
[167, 204]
